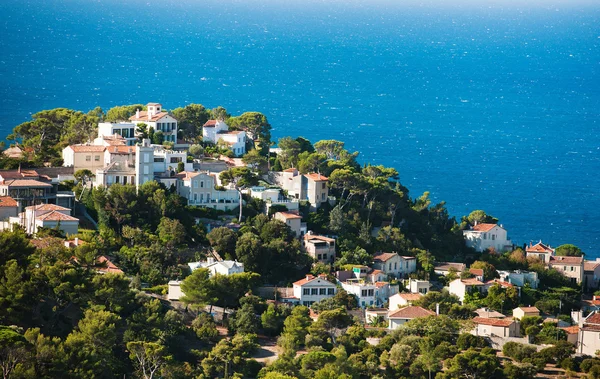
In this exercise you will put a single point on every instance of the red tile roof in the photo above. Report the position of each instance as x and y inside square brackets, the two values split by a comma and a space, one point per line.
[210, 124]
[290, 170]
[7, 201]
[143, 116]
[381, 284]
[446, 266]
[121, 149]
[309, 278]
[56, 216]
[472, 282]
[566, 260]
[109, 267]
[539, 248]
[310, 237]
[500, 282]
[317, 177]
[289, 216]
[493, 321]
[87, 148]
[26, 183]
[46, 207]
[529, 309]
[483, 227]
[590, 265]
[594, 318]
[476, 271]
[187, 175]
[384, 257]
[411, 312]
[410, 296]
[18, 174]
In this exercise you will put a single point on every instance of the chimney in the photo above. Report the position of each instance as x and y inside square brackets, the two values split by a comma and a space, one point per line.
[437, 309]
[476, 222]
[309, 277]
[137, 113]
[76, 241]
[210, 260]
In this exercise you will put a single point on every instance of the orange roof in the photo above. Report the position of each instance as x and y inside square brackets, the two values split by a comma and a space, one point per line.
[539, 248]
[472, 282]
[309, 278]
[476, 271]
[289, 170]
[187, 175]
[483, 227]
[46, 207]
[56, 216]
[87, 148]
[289, 216]
[590, 265]
[411, 312]
[18, 174]
[381, 284]
[144, 116]
[7, 201]
[384, 257]
[594, 318]
[121, 149]
[376, 272]
[493, 321]
[210, 124]
[109, 266]
[317, 177]
[571, 329]
[500, 282]
[529, 309]
[410, 296]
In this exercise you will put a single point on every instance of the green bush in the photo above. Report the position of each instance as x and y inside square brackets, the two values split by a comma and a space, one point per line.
[466, 341]
[518, 351]
[161, 289]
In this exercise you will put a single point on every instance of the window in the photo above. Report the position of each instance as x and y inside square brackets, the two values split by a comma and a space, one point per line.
[175, 159]
[330, 291]
[323, 196]
[323, 185]
[306, 303]
[117, 179]
[146, 170]
[88, 158]
[306, 291]
[390, 266]
[484, 236]
[195, 184]
[146, 157]
[322, 291]
[202, 184]
[319, 256]
[97, 158]
[314, 291]
[371, 292]
[159, 160]
[125, 180]
[395, 265]
[493, 237]
[364, 293]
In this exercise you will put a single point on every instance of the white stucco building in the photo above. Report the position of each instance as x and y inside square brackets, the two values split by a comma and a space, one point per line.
[401, 316]
[155, 118]
[312, 289]
[571, 267]
[47, 216]
[123, 129]
[369, 294]
[460, 287]
[395, 265]
[540, 250]
[199, 188]
[217, 131]
[520, 278]
[403, 299]
[83, 157]
[313, 187]
[487, 236]
[218, 267]
[320, 248]
[495, 327]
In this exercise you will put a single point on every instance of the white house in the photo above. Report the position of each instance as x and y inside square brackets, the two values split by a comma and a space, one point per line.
[155, 118]
[418, 286]
[460, 287]
[312, 289]
[521, 312]
[444, 268]
[47, 216]
[83, 157]
[293, 220]
[591, 275]
[218, 267]
[312, 187]
[589, 334]
[8, 208]
[395, 265]
[175, 292]
[520, 278]
[401, 316]
[487, 236]
[495, 327]
[123, 129]
[273, 196]
[369, 294]
[400, 300]
[217, 131]
[199, 188]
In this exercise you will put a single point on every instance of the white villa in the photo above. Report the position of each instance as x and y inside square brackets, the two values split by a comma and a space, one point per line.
[199, 188]
[395, 265]
[540, 251]
[155, 118]
[487, 236]
[320, 248]
[311, 187]
[312, 289]
[215, 131]
[218, 267]
[46, 216]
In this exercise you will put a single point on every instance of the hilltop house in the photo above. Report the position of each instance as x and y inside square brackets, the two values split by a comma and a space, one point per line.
[395, 265]
[293, 220]
[83, 157]
[28, 187]
[218, 267]
[520, 278]
[156, 119]
[48, 216]
[403, 299]
[589, 335]
[460, 287]
[521, 312]
[217, 131]
[312, 289]
[483, 236]
[444, 268]
[495, 327]
[591, 275]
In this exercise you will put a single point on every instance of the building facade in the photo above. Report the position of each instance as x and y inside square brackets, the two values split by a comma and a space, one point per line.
[319, 248]
[395, 265]
[482, 237]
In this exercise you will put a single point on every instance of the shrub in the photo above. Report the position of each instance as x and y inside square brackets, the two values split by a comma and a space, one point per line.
[467, 340]
[518, 351]
[159, 290]
[588, 363]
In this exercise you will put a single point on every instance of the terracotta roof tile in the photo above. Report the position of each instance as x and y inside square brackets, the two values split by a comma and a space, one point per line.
[483, 227]
[446, 266]
[594, 318]
[87, 148]
[539, 248]
[317, 177]
[493, 321]
[109, 267]
[476, 271]
[46, 207]
[410, 296]
[289, 216]
[566, 260]
[590, 265]
[143, 116]
[472, 282]
[26, 183]
[310, 237]
[529, 309]
[7, 201]
[384, 257]
[411, 312]
[56, 216]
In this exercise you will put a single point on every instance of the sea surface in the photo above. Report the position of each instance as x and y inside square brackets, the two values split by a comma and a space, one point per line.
[488, 105]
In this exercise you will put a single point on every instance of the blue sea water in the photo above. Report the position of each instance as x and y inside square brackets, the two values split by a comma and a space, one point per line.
[487, 105]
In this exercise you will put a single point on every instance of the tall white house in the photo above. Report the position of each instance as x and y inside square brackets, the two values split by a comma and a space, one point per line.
[487, 236]
[395, 265]
[214, 131]
[312, 289]
[155, 118]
